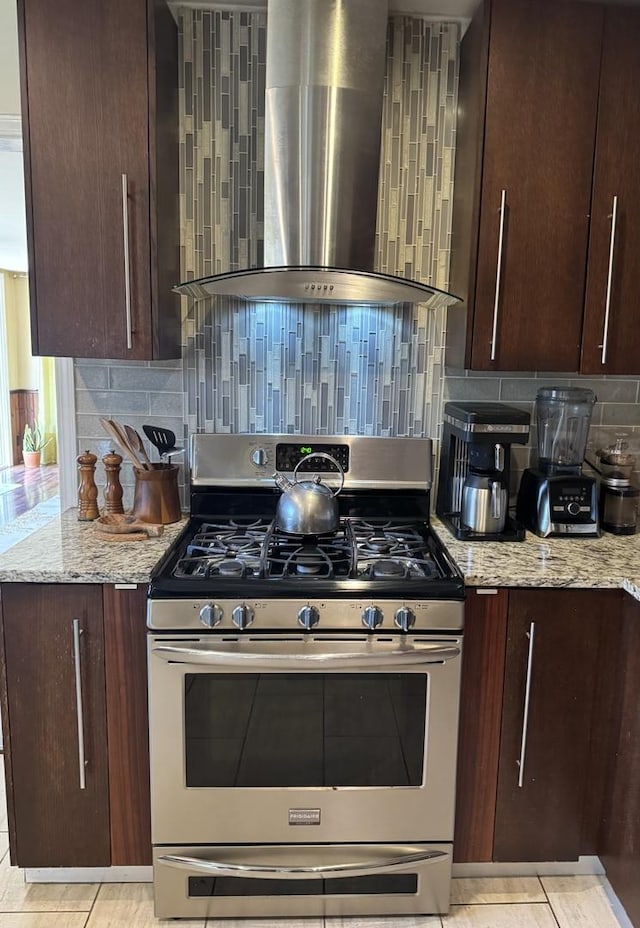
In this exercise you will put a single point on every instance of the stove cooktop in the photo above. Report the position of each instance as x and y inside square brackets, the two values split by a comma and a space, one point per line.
[235, 556]
[384, 546]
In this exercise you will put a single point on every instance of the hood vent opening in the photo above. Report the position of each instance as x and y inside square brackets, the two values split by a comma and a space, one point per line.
[323, 120]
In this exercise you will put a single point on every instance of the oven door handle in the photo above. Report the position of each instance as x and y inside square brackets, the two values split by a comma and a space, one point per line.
[405, 859]
[295, 660]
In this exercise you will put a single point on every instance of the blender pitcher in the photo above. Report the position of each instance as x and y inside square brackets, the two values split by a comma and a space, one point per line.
[563, 417]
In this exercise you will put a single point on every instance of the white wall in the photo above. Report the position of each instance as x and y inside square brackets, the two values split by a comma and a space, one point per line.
[9, 75]
[13, 233]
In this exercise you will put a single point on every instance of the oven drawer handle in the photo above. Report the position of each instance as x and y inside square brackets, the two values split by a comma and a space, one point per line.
[426, 655]
[292, 872]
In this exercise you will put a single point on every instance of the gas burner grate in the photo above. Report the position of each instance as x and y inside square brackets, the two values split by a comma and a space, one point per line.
[384, 551]
[232, 549]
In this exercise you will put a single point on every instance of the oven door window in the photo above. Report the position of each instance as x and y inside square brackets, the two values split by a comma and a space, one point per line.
[264, 730]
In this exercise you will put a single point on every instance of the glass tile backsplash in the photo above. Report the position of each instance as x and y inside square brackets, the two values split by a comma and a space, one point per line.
[278, 368]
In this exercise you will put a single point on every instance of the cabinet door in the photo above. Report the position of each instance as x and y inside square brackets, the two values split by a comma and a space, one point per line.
[127, 725]
[540, 123]
[611, 342]
[550, 674]
[55, 725]
[86, 104]
[619, 847]
[485, 633]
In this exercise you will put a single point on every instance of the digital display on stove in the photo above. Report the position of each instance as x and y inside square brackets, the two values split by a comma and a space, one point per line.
[288, 454]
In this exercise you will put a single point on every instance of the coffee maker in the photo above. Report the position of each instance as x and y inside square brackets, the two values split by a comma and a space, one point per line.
[475, 463]
[556, 498]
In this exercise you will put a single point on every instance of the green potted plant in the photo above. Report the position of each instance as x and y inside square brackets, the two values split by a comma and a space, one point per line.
[33, 441]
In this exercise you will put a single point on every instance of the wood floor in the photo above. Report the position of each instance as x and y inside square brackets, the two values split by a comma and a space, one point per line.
[30, 486]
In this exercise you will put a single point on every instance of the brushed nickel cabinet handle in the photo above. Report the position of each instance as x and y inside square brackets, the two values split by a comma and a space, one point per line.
[607, 305]
[496, 302]
[77, 631]
[127, 260]
[525, 715]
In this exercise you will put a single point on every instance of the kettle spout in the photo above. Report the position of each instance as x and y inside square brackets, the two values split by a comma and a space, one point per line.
[283, 482]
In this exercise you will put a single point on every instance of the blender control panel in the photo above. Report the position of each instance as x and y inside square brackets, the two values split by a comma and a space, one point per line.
[573, 498]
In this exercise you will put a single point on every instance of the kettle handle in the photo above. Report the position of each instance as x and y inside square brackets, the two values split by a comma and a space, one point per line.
[320, 454]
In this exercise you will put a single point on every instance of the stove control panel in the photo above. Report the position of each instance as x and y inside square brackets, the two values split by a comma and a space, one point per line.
[211, 615]
[405, 618]
[289, 454]
[288, 614]
[242, 616]
[308, 616]
[372, 617]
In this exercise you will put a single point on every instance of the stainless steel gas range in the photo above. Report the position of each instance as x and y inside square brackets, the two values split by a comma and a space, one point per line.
[303, 690]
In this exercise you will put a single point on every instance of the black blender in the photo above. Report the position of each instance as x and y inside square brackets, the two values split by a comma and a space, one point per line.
[556, 498]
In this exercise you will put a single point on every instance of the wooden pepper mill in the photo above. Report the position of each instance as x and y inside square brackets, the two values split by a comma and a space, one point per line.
[113, 487]
[87, 490]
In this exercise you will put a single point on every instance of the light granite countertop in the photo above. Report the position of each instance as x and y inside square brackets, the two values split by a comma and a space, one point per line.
[612, 561]
[68, 551]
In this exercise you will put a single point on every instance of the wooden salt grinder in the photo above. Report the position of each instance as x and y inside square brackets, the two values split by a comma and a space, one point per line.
[113, 487]
[87, 490]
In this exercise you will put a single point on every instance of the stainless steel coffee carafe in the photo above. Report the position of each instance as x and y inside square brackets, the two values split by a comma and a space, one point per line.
[484, 495]
[484, 504]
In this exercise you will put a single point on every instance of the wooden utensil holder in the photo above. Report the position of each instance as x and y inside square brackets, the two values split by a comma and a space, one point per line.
[156, 497]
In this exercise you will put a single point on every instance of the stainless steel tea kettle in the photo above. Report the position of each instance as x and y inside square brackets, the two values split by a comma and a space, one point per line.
[308, 507]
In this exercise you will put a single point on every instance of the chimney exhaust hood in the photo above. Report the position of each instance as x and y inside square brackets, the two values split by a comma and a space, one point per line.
[323, 117]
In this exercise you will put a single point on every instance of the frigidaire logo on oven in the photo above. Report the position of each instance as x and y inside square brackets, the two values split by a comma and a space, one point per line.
[304, 816]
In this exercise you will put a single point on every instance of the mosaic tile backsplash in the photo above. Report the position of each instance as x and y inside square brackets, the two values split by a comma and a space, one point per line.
[278, 368]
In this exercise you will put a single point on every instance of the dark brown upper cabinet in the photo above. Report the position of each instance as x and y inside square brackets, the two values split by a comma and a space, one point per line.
[611, 340]
[527, 114]
[99, 96]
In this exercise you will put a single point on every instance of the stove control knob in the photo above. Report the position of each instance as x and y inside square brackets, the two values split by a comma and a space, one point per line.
[308, 616]
[242, 616]
[405, 618]
[372, 617]
[260, 457]
[211, 614]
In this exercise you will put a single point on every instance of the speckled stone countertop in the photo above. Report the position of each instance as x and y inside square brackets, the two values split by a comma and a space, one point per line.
[68, 551]
[612, 561]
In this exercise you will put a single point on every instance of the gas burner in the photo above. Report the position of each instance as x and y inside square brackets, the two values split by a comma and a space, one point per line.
[386, 568]
[233, 568]
[379, 544]
[291, 557]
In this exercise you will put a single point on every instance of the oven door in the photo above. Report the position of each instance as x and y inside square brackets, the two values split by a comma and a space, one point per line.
[303, 739]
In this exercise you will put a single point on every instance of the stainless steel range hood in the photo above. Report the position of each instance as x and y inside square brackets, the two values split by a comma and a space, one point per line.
[324, 90]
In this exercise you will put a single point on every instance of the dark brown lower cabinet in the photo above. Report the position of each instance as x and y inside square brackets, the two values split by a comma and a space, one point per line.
[54, 718]
[485, 635]
[127, 725]
[619, 842]
[549, 707]
[54, 819]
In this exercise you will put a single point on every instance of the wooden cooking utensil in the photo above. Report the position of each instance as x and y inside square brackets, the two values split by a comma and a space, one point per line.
[124, 524]
[121, 440]
[137, 444]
